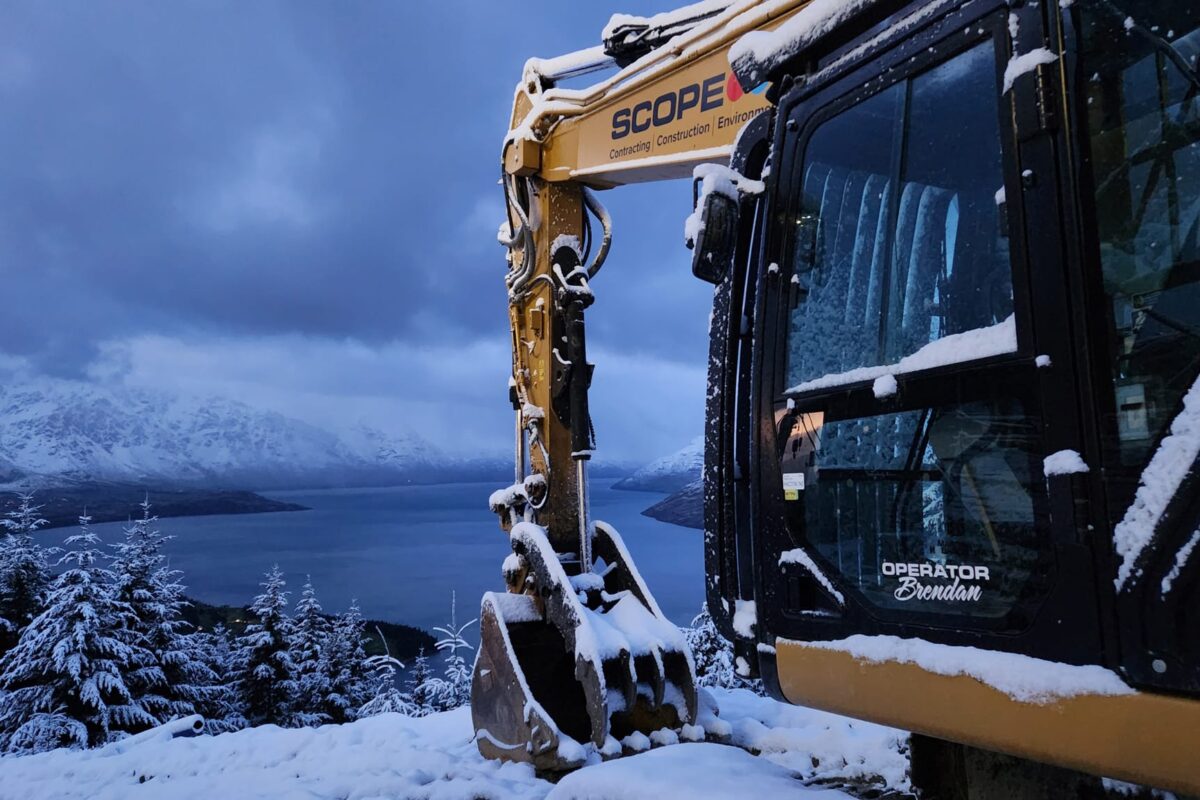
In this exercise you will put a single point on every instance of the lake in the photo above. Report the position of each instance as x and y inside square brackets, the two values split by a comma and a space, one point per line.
[400, 551]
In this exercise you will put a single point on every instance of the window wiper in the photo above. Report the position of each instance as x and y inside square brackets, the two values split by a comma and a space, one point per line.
[1154, 40]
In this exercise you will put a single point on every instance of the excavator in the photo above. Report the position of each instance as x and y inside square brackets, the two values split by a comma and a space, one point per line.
[951, 478]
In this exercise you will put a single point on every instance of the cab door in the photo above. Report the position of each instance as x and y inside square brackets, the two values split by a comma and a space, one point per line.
[920, 458]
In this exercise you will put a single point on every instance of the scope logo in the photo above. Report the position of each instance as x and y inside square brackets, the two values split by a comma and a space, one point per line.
[707, 95]
[668, 107]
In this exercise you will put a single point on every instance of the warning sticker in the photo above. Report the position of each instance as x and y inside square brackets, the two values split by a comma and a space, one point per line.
[793, 480]
[793, 485]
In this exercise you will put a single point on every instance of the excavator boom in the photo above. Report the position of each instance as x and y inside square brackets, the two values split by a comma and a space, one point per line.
[576, 655]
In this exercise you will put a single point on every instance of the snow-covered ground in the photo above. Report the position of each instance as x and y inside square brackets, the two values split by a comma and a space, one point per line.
[391, 756]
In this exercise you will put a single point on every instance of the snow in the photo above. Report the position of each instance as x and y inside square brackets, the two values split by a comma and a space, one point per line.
[758, 52]
[710, 771]
[571, 242]
[567, 64]
[1025, 679]
[513, 607]
[716, 179]
[1159, 484]
[799, 556]
[587, 581]
[1026, 62]
[435, 758]
[665, 18]
[384, 756]
[1042, 361]
[885, 386]
[637, 742]
[745, 617]
[1001, 196]
[814, 744]
[664, 736]
[1064, 462]
[542, 106]
[993, 340]
[1181, 559]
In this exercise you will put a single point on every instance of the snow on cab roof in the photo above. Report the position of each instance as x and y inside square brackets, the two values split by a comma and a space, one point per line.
[757, 54]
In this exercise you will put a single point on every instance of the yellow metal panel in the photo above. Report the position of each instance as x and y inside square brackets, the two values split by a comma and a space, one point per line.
[1149, 739]
[698, 108]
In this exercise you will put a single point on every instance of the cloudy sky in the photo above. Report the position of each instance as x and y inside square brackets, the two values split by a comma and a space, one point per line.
[295, 204]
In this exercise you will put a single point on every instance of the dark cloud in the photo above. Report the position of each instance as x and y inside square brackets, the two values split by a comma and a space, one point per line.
[264, 169]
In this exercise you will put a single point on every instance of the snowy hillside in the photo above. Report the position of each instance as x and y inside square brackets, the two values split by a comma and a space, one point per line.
[434, 757]
[669, 473]
[69, 429]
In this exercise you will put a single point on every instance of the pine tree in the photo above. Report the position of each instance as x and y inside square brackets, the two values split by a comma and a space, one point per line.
[422, 688]
[456, 687]
[24, 575]
[712, 654]
[64, 682]
[386, 697]
[219, 704]
[171, 676]
[266, 676]
[349, 673]
[310, 640]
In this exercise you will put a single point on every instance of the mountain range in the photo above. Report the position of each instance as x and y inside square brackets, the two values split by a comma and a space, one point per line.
[670, 473]
[56, 431]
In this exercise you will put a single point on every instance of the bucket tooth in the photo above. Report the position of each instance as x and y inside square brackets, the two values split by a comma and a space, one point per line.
[649, 672]
[620, 680]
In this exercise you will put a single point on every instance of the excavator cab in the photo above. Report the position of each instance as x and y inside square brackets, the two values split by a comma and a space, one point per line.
[951, 475]
[956, 382]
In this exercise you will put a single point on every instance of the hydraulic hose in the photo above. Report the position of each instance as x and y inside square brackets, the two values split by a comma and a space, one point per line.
[518, 276]
[601, 213]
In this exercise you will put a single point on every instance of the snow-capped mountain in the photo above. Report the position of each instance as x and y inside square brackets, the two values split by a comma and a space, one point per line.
[57, 429]
[669, 473]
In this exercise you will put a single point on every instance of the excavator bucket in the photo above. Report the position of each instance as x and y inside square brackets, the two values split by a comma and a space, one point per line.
[572, 661]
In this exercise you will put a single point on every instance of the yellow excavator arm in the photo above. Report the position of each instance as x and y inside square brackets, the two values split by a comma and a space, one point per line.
[577, 651]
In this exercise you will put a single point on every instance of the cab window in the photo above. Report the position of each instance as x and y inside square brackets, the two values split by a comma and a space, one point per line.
[1143, 126]
[900, 239]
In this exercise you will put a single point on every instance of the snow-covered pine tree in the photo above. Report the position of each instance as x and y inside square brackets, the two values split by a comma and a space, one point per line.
[713, 655]
[219, 704]
[265, 674]
[310, 639]
[386, 697]
[456, 686]
[64, 682]
[171, 676]
[423, 688]
[24, 575]
[350, 676]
